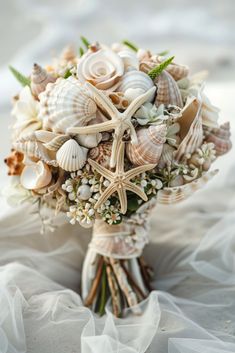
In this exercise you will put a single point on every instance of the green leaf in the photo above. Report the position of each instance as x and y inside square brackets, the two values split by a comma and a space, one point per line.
[163, 53]
[130, 45]
[67, 74]
[85, 42]
[81, 51]
[157, 70]
[25, 81]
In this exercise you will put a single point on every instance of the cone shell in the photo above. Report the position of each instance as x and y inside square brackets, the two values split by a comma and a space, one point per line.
[39, 79]
[71, 156]
[149, 147]
[135, 80]
[65, 104]
[35, 176]
[15, 163]
[221, 139]
[167, 91]
[191, 132]
[176, 194]
[102, 154]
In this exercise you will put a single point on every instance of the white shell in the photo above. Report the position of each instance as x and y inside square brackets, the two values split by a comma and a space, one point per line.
[149, 147]
[176, 194]
[89, 140]
[39, 79]
[129, 59]
[220, 137]
[71, 156]
[64, 104]
[102, 69]
[135, 80]
[84, 192]
[210, 113]
[168, 92]
[35, 176]
[167, 156]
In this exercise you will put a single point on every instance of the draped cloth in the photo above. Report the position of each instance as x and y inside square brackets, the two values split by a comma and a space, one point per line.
[192, 250]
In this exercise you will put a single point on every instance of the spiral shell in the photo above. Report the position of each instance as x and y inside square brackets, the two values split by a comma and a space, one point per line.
[65, 104]
[129, 59]
[191, 132]
[39, 79]
[168, 92]
[149, 147]
[179, 193]
[135, 80]
[71, 156]
[221, 139]
[102, 68]
[35, 176]
[102, 154]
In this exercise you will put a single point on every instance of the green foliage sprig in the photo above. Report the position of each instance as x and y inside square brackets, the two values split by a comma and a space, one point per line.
[24, 81]
[130, 45]
[157, 70]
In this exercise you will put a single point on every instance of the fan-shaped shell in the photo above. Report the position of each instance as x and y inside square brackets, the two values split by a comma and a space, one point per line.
[167, 91]
[39, 79]
[149, 147]
[102, 154]
[179, 193]
[71, 156]
[129, 59]
[65, 104]
[221, 139]
[35, 176]
[191, 132]
[135, 80]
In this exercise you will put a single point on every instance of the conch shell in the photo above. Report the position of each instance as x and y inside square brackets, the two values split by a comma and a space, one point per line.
[221, 139]
[39, 79]
[179, 193]
[191, 132]
[149, 147]
[65, 104]
[71, 156]
[15, 162]
[35, 176]
[168, 92]
[102, 68]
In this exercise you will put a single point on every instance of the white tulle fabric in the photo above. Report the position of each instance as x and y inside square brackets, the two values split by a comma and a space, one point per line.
[192, 248]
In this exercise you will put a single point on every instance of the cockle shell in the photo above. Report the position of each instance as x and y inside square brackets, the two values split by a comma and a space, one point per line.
[39, 79]
[129, 59]
[173, 195]
[71, 156]
[136, 80]
[149, 147]
[168, 92]
[35, 176]
[221, 139]
[84, 192]
[119, 100]
[64, 104]
[102, 68]
[191, 132]
[102, 154]
[15, 163]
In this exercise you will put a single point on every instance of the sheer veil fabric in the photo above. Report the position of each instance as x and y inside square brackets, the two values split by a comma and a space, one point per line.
[191, 310]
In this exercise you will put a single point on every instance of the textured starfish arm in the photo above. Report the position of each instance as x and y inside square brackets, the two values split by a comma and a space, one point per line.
[92, 129]
[136, 103]
[123, 199]
[105, 195]
[138, 170]
[120, 157]
[102, 100]
[101, 170]
[136, 190]
[133, 135]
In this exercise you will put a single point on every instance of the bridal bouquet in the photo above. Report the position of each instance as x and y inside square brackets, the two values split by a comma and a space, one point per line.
[105, 135]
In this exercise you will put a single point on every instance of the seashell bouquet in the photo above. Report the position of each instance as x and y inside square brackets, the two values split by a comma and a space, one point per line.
[105, 136]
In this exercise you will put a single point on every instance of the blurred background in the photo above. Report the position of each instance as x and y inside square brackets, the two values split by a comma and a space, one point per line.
[199, 33]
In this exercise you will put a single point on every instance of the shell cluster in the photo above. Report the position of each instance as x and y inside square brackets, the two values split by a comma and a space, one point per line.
[113, 127]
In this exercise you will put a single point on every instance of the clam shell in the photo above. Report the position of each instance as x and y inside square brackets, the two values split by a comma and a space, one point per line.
[176, 194]
[35, 176]
[149, 147]
[64, 104]
[135, 80]
[129, 59]
[167, 91]
[89, 140]
[39, 79]
[71, 156]
[191, 132]
[102, 154]
[221, 139]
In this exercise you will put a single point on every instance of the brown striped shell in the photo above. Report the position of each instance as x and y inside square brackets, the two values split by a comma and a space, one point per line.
[39, 79]
[101, 154]
[221, 139]
[148, 150]
[168, 92]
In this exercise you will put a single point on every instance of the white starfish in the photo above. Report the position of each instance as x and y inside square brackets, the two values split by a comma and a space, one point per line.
[119, 122]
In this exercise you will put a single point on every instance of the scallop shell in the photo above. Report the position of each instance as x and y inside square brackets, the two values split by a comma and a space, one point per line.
[129, 59]
[149, 147]
[71, 156]
[176, 194]
[39, 79]
[15, 163]
[221, 139]
[135, 80]
[102, 154]
[191, 132]
[64, 104]
[35, 176]
[167, 91]
[119, 100]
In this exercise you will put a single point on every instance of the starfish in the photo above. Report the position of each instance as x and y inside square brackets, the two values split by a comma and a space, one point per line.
[120, 180]
[119, 122]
